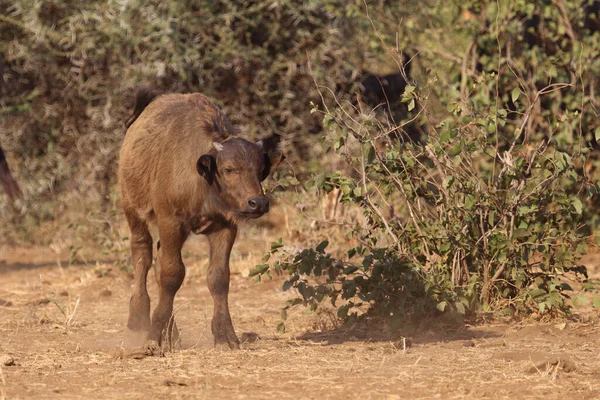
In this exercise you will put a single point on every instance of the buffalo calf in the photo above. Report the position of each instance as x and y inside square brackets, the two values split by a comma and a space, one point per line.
[183, 169]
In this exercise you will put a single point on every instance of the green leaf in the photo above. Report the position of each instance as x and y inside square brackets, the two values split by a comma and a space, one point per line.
[350, 291]
[276, 245]
[322, 246]
[445, 136]
[565, 286]
[444, 247]
[457, 149]
[343, 311]
[352, 252]
[441, 306]
[411, 105]
[350, 269]
[576, 203]
[597, 134]
[327, 119]
[448, 181]
[491, 218]
[281, 327]
[524, 210]
[519, 233]
[371, 155]
[460, 307]
[537, 293]
[596, 303]
[514, 95]
[259, 269]
[469, 201]
[501, 257]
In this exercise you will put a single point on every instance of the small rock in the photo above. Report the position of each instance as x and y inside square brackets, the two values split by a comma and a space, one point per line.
[106, 293]
[249, 337]
[39, 302]
[169, 382]
[64, 293]
[469, 343]
[5, 303]
[568, 366]
[7, 360]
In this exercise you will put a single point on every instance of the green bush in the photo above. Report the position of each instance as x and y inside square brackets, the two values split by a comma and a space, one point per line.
[487, 214]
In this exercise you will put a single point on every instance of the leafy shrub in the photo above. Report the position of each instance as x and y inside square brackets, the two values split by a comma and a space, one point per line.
[487, 213]
[452, 224]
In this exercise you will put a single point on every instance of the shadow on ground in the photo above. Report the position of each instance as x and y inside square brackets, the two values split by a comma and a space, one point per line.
[408, 335]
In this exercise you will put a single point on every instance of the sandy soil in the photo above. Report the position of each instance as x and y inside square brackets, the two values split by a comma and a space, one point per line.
[63, 334]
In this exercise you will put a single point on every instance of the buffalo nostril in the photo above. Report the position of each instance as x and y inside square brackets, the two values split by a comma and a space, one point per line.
[258, 204]
[252, 204]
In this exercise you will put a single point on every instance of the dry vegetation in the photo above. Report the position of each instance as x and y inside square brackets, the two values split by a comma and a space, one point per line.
[64, 327]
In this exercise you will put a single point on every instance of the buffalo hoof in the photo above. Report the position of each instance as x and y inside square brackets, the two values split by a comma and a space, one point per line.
[139, 313]
[227, 346]
[138, 323]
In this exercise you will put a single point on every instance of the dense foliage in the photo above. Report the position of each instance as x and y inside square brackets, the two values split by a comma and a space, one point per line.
[70, 70]
[492, 210]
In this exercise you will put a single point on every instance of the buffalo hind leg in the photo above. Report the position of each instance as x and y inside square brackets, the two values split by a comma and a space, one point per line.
[171, 273]
[141, 257]
[221, 243]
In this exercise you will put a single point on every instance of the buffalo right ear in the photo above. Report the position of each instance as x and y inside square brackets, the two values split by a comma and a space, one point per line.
[207, 167]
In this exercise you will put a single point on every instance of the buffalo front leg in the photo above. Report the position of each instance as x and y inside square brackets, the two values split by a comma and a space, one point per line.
[141, 257]
[171, 273]
[171, 335]
[221, 243]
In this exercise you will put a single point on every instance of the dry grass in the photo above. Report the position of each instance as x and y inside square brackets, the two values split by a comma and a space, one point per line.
[308, 361]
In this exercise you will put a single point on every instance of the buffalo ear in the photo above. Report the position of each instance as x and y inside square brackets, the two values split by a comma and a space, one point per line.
[273, 154]
[207, 167]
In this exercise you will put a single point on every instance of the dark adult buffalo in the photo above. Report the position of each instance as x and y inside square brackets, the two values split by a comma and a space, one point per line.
[183, 168]
[384, 92]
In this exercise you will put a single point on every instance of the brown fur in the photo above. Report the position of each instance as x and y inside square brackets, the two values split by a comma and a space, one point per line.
[173, 174]
[11, 187]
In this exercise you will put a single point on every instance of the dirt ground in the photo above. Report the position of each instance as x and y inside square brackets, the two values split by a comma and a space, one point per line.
[63, 330]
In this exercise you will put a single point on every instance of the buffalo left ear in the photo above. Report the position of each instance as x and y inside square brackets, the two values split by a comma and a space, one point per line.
[207, 167]
[273, 155]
